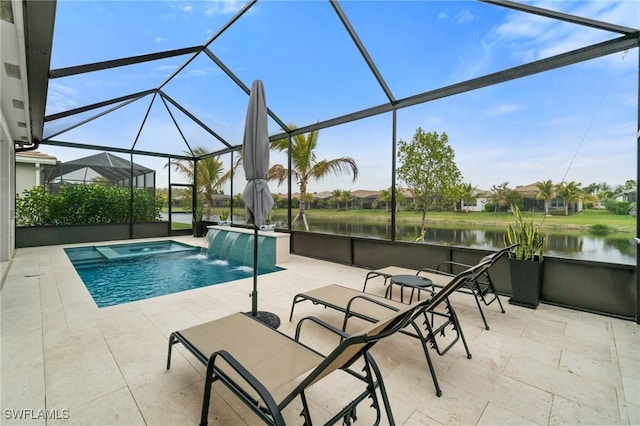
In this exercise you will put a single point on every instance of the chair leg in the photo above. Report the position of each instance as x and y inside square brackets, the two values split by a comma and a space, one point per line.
[458, 328]
[206, 399]
[305, 409]
[172, 341]
[424, 343]
[293, 305]
[370, 362]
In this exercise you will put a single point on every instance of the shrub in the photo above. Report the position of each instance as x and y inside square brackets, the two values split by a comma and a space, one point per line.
[617, 207]
[86, 204]
[599, 229]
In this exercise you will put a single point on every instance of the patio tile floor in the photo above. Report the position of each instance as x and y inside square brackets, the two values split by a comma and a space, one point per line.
[86, 365]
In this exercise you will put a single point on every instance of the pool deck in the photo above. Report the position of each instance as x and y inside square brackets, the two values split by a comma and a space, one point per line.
[106, 366]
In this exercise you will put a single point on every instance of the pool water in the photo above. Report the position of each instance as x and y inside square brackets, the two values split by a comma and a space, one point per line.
[131, 278]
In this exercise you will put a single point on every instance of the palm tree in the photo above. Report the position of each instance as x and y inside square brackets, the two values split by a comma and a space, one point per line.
[210, 174]
[336, 197]
[345, 197]
[309, 198]
[546, 192]
[569, 192]
[384, 196]
[468, 194]
[305, 166]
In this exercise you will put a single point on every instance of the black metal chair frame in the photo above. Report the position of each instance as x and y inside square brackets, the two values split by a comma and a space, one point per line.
[480, 287]
[266, 407]
[428, 337]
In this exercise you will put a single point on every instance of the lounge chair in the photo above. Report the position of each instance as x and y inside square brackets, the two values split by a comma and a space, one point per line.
[253, 360]
[482, 288]
[369, 307]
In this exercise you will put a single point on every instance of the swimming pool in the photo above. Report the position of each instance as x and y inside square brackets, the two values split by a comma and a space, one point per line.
[137, 274]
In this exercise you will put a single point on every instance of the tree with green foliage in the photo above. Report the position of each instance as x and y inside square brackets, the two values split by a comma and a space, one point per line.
[546, 192]
[336, 198]
[500, 195]
[305, 167]
[429, 170]
[467, 194]
[570, 192]
[346, 198]
[384, 197]
[309, 198]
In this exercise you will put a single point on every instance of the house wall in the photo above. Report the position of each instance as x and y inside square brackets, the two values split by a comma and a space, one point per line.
[26, 176]
[7, 196]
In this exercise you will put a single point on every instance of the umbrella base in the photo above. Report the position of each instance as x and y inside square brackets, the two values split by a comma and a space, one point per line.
[267, 318]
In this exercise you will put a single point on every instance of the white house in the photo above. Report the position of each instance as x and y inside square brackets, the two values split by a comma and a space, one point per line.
[30, 169]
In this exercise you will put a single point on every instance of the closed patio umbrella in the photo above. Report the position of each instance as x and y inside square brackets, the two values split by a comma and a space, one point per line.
[256, 195]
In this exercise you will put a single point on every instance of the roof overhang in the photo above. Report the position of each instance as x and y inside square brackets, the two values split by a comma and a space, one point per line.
[27, 36]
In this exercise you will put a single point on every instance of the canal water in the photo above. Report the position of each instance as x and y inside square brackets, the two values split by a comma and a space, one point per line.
[601, 248]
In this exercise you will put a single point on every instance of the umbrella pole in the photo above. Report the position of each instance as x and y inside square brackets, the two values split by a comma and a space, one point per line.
[268, 318]
[254, 294]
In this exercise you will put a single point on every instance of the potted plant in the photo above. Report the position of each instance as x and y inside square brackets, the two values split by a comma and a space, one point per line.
[525, 261]
[198, 224]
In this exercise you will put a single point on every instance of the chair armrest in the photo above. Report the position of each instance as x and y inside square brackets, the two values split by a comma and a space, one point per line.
[322, 324]
[249, 378]
[348, 310]
[434, 271]
[452, 263]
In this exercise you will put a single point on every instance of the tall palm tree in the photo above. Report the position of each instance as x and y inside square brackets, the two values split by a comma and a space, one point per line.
[468, 194]
[346, 198]
[569, 192]
[210, 175]
[306, 167]
[546, 192]
[309, 198]
[336, 197]
[384, 196]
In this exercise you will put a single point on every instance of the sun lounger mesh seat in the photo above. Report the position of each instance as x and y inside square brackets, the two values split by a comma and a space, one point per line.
[482, 287]
[254, 360]
[429, 323]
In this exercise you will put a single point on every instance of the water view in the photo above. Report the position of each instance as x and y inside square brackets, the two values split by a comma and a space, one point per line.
[575, 245]
[613, 248]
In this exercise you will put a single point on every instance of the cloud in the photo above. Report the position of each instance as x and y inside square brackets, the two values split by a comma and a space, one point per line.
[463, 16]
[186, 7]
[504, 109]
[61, 98]
[442, 15]
[534, 37]
[222, 7]
[160, 39]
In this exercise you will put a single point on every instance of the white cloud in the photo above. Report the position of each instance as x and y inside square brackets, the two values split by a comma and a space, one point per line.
[463, 16]
[61, 98]
[504, 109]
[222, 7]
[187, 7]
[442, 15]
[160, 39]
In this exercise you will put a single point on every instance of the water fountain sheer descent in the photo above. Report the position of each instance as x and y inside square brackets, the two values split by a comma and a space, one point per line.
[231, 245]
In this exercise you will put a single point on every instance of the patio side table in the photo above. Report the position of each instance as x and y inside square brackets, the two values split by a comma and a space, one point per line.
[414, 282]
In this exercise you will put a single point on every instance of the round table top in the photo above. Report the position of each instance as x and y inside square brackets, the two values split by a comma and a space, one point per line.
[411, 280]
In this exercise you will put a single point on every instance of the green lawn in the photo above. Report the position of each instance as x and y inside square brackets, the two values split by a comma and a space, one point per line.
[580, 221]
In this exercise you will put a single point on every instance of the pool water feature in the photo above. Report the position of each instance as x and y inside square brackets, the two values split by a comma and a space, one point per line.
[139, 271]
[240, 247]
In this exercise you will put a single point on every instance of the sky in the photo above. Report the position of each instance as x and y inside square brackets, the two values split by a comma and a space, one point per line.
[576, 123]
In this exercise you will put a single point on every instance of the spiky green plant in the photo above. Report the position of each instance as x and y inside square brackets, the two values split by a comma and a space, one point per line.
[527, 234]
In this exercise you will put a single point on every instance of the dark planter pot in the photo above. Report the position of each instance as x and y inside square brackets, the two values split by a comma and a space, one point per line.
[526, 282]
[199, 229]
